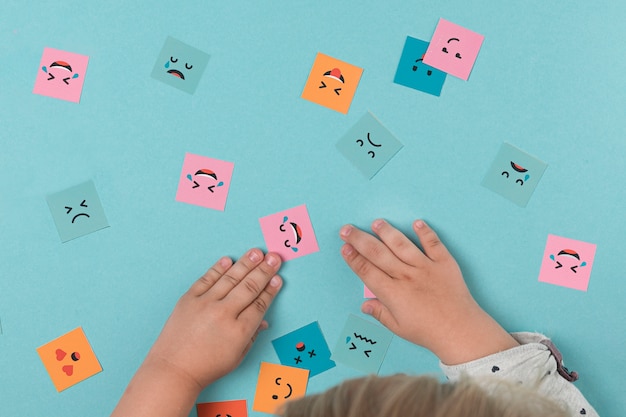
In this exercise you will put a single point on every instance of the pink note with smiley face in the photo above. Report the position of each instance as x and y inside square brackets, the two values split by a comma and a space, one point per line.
[204, 181]
[289, 233]
[61, 75]
[453, 49]
[567, 262]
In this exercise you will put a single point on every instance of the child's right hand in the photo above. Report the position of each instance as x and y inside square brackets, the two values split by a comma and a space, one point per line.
[421, 295]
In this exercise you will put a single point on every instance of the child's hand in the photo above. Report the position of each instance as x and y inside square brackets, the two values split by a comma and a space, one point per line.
[215, 323]
[421, 295]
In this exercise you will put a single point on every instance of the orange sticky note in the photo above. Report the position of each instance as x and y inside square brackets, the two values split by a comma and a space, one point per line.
[278, 384]
[234, 408]
[332, 83]
[69, 359]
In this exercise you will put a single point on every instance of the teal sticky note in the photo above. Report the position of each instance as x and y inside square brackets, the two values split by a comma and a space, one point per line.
[514, 174]
[362, 344]
[77, 211]
[368, 145]
[304, 348]
[413, 73]
[180, 65]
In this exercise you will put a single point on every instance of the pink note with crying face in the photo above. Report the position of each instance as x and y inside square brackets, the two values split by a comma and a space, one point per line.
[567, 262]
[61, 75]
[289, 233]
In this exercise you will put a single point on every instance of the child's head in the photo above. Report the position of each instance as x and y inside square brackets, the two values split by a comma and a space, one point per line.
[421, 396]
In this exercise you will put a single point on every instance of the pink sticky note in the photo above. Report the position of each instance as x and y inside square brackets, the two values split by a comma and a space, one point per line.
[204, 181]
[289, 233]
[453, 49]
[61, 74]
[567, 262]
[367, 293]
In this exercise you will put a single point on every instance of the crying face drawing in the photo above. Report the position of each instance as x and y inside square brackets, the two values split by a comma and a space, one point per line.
[293, 233]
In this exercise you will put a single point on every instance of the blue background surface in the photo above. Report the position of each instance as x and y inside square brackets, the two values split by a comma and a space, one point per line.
[549, 79]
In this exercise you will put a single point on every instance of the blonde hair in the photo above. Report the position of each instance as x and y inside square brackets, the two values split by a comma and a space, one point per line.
[421, 396]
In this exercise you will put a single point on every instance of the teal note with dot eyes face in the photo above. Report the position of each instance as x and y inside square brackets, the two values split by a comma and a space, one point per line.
[180, 65]
[304, 348]
[514, 174]
[413, 73]
[77, 211]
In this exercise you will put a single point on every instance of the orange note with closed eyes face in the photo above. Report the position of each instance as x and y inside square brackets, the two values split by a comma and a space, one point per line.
[278, 384]
[69, 359]
[332, 83]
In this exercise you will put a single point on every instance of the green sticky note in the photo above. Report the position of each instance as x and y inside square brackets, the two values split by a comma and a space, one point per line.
[77, 211]
[514, 174]
[362, 345]
[180, 65]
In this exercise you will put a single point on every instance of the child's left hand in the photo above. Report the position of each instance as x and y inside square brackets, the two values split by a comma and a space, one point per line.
[215, 323]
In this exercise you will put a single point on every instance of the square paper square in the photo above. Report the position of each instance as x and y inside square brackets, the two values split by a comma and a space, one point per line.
[362, 345]
[204, 181]
[234, 408]
[367, 293]
[453, 49]
[368, 145]
[180, 65]
[304, 348]
[61, 74]
[289, 233]
[332, 83]
[413, 73]
[277, 384]
[77, 211]
[69, 359]
[514, 174]
[567, 262]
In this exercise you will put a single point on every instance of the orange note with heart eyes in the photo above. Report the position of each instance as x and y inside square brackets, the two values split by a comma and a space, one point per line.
[69, 359]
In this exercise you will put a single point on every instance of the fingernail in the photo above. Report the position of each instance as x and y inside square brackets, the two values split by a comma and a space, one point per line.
[275, 281]
[225, 262]
[377, 224]
[419, 224]
[254, 256]
[367, 309]
[347, 250]
[345, 230]
[271, 260]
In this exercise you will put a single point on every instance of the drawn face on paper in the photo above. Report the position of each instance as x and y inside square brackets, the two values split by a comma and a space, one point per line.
[567, 262]
[332, 83]
[77, 211]
[277, 384]
[234, 408]
[203, 186]
[412, 72]
[289, 233]
[362, 344]
[69, 359]
[304, 348]
[453, 49]
[61, 75]
[368, 145]
[180, 65]
[514, 174]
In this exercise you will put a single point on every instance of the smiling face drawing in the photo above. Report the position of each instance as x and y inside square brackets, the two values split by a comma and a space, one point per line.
[206, 176]
[277, 384]
[517, 178]
[288, 389]
[60, 70]
[369, 139]
[568, 258]
[292, 229]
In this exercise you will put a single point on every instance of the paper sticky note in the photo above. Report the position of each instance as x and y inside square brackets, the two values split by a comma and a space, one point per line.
[69, 359]
[233, 408]
[367, 293]
[289, 233]
[413, 73]
[514, 174]
[368, 145]
[567, 262]
[362, 345]
[277, 384]
[61, 74]
[332, 83]
[204, 181]
[453, 49]
[304, 348]
[180, 65]
[77, 211]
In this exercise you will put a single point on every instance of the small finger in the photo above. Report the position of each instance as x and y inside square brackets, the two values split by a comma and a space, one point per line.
[210, 277]
[375, 279]
[253, 285]
[237, 272]
[433, 248]
[397, 242]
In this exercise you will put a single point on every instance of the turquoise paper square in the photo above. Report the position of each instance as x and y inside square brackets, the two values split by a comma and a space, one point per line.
[413, 73]
[180, 65]
[304, 348]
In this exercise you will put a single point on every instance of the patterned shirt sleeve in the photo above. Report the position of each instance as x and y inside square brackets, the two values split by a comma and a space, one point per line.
[535, 362]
